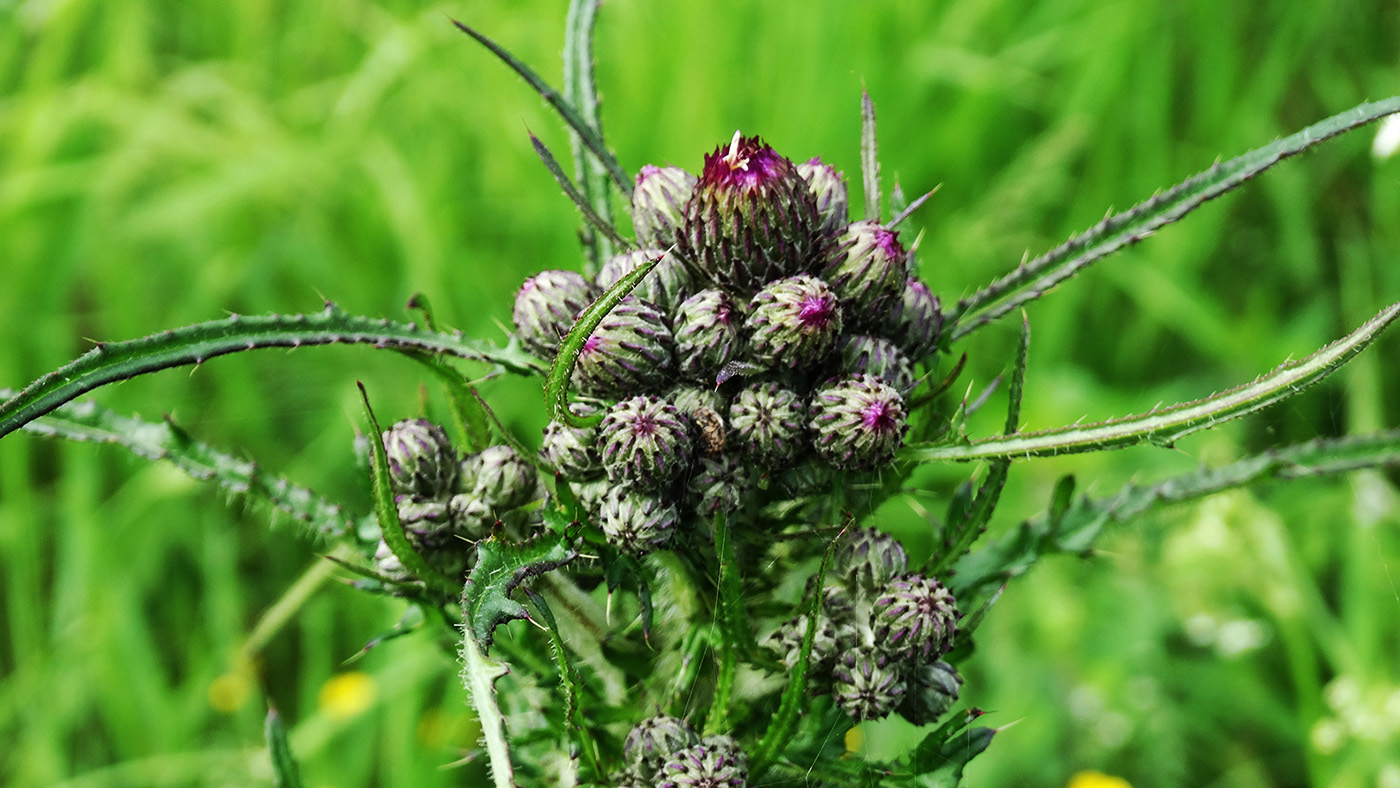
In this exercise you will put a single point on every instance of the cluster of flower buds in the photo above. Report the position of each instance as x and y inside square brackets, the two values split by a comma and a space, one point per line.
[447, 501]
[773, 335]
[664, 752]
[881, 632]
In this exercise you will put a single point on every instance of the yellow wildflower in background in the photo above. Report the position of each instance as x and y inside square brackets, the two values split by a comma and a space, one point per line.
[1090, 779]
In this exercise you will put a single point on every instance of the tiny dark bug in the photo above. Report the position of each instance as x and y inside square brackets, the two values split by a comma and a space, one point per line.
[711, 428]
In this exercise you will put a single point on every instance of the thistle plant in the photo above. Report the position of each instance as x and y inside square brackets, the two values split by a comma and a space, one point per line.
[737, 377]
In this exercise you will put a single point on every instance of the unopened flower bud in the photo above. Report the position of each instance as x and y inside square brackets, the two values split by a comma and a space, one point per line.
[869, 559]
[504, 479]
[719, 484]
[421, 459]
[867, 269]
[654, 740]
[916, 321]
[545, 308]
[828, 187]
[857, 422]
[630, 351]
[864, 354]
[637, 523]
[768, 424]
[750, 220]
[793, 323]
[914, 617]
[707, 333]
[715, 764]
[665, 287]
[931, 689]
[572, 451]
[645, 442]
[658, 204]
[866, 685]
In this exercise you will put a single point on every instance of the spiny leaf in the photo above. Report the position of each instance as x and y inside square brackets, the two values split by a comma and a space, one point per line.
[500, 567]
[109, 362]
[1115, 232]
[590, 136]
[1165, 426]
[939, 760]
[284, 764]
[731, 610]
[556, 390]
[90, 422]
[479, 675]
[384, 508]
[575, 722]
[1073, 524]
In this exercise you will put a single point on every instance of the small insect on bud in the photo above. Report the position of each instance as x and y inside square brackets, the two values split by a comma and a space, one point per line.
[545, 308]
[707, 333]
[710, 430]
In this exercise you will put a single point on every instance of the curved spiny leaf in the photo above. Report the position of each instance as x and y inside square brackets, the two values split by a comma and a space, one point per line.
[1036, 277]
[1164, 426]
[110, 362]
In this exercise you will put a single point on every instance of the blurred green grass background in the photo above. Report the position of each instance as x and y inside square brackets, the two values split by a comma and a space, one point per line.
[163, 164]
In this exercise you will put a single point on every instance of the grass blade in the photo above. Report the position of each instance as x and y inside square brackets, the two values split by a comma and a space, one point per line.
[585, 205]
[590, 136]
[581, 91]
[1036, 277]
[1164, 426]
[869, 158]
[284, 764]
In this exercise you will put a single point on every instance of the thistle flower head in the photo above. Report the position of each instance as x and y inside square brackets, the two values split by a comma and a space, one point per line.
[870, 355]
[572, 451]
[719, 484]
[631, 350]
[654, 740]
[707, 333]
[658, 204]
[867, 269]
[916, 320]
[857, 422]
[545, 308]
[504, 479]
[867, 685]
[793, 323]
[635, 522]
[646, 442]
[932, 689]
[751, 218]
[828, 187]
[914, 617]
[716, 762]
[768, 424]
[869, 559]
[422, 461]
